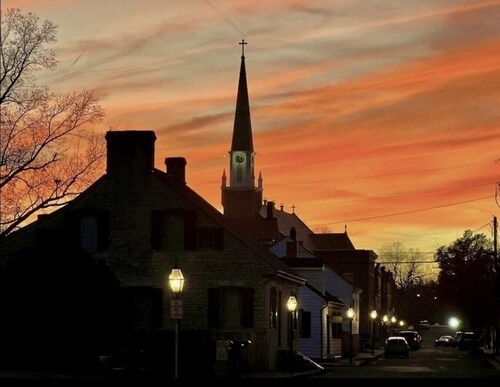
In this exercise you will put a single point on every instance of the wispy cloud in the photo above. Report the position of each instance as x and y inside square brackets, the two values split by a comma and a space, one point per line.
[383, 111]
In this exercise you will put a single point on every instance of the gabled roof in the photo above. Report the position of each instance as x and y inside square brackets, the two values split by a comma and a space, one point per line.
[327, 296]
[198, 202]
[332, 241]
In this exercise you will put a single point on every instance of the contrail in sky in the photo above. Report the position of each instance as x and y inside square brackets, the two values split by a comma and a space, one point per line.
[225, 18]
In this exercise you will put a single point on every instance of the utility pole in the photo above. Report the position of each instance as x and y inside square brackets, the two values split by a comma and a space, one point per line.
[495, 231]
[496, 342]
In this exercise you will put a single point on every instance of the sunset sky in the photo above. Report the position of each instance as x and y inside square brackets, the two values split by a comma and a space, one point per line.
[379, 116]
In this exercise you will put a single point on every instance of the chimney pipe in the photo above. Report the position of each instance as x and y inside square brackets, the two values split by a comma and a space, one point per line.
[176, 167]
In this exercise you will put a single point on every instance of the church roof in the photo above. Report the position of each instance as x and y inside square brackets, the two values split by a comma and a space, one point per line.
[332, 241]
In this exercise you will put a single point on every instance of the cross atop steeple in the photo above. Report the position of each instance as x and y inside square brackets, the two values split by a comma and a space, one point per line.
[242, 43]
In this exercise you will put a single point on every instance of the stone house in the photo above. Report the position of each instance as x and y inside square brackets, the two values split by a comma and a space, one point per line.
[98, 270]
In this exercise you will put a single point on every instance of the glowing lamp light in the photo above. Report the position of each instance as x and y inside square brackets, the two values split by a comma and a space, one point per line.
[176, 280]
[291, 304]
[453, 322]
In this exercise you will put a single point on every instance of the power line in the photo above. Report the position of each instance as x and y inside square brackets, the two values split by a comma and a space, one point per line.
[404, 212]
[398, 195]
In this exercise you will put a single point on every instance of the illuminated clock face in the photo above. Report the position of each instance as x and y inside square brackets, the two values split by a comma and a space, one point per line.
[239, 158]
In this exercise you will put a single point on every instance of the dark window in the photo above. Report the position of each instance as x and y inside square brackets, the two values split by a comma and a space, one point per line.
[210, 237]
[230, 307]
[88, 232]
[336, 330]
[172, 229]
[88, 229]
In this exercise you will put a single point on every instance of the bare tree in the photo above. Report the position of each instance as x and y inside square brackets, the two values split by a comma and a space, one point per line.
[47, 153]
[321, 229]
[405, 264]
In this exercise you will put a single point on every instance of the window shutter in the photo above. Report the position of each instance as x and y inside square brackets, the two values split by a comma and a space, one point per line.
[305, 323]
[273, 308]
[214, 308]
[247, 307]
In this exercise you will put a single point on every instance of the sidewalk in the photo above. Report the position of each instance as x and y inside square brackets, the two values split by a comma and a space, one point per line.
[361, 359]
[493, 359]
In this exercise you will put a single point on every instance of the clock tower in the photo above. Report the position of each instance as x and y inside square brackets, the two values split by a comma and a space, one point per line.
[242, 198]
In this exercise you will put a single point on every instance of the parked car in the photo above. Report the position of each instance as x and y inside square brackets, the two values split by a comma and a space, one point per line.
[413, 338]
[469, 341]
[396, 346]
[456, 338]
[444, 341]
[424, 324]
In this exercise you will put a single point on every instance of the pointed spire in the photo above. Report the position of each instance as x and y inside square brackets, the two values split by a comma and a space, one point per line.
[224, 178]
[242, 130]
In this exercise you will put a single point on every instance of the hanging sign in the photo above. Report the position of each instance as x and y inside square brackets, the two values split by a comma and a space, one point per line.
[176, 309]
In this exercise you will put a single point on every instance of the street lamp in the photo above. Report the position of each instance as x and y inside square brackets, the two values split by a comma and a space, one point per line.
[291, 305]
[385, 319]
[373, 315]
[350, 316]
[176, 282]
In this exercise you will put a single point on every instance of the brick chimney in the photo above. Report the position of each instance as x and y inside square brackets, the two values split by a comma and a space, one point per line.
[130, 152]
[270, 210]
[176, 167]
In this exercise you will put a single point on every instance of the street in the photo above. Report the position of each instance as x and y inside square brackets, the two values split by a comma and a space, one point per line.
[427, 362]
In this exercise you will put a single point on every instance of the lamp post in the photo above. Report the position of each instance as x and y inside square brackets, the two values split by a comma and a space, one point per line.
[393, 321]
[350, 316]
[373, 315]
[176, 282]
[385, 319]
[291, 305]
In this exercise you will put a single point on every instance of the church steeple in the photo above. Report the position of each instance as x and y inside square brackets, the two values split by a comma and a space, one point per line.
[242, 129]
[242, 198]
